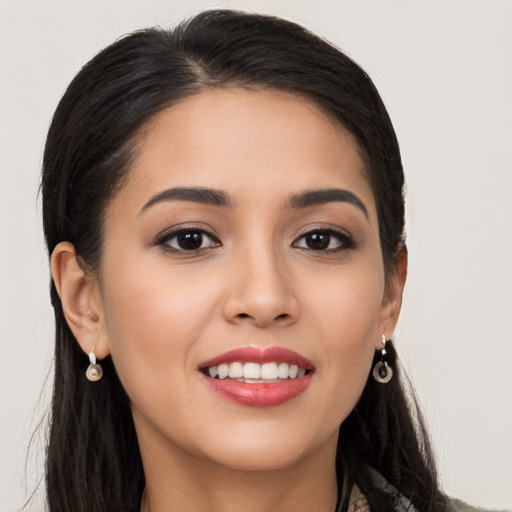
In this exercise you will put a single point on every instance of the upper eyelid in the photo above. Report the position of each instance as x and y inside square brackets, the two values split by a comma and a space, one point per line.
[173, 231]
[173, 234]
[346, 240]
[163, 241]
[335, 230]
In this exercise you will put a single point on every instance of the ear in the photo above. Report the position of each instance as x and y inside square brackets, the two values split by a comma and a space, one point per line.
[392, 300]
[81, 301]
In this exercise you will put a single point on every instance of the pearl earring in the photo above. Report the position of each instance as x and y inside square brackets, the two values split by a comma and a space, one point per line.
[382, 372]
[94, 371]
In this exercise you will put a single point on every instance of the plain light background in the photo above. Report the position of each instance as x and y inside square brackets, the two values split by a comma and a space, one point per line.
[444, 70]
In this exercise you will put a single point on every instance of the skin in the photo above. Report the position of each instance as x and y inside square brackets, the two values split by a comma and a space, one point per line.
[161, 311]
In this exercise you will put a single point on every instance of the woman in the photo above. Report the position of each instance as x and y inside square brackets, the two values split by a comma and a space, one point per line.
[223, 205]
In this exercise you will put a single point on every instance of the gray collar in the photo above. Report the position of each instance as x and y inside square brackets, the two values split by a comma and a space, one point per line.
[358, 502]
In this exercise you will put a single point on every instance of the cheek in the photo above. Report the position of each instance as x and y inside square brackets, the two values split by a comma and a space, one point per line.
[345, 311]
[154, 315]
[347, 302]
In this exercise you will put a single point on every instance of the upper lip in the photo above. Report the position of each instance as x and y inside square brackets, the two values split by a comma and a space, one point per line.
[259, 355]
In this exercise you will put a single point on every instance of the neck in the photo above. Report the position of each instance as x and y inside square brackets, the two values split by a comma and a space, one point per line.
[177, 481]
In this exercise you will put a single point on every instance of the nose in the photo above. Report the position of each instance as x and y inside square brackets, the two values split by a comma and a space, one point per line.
[260, 291]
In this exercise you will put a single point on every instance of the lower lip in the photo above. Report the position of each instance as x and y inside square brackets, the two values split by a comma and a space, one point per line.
[259, 395]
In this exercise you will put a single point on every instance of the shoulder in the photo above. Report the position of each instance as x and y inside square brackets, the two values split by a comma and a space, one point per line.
[403, 504]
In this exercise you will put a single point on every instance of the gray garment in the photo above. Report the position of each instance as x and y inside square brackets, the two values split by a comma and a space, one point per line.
[358, 502]
[403, 504]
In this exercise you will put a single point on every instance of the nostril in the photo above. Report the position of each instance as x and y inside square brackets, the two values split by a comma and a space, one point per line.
[261, 319]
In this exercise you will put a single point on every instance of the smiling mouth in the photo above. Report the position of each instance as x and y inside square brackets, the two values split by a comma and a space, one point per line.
[255, 373]
[258, 377]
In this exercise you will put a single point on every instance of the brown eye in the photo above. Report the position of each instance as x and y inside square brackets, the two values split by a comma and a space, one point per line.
[324, 241]
[189, 240]
[318, 241]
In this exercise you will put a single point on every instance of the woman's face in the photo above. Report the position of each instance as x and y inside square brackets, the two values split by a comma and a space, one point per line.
[246, 225]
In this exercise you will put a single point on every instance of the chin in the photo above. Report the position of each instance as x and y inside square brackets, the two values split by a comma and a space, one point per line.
[258, 459]
[272, 450]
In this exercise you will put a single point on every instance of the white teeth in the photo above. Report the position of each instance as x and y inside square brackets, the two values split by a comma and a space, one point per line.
[223, 370]
[252, 371]
[283, 371]
[236, 371]
[255, 372]
[269, 371]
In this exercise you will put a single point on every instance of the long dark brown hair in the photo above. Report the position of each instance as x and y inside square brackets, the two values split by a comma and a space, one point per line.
[93, 459]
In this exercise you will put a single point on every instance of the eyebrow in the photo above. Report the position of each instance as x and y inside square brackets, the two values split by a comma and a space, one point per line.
[201, 195]
[323, 196]
[219, 198]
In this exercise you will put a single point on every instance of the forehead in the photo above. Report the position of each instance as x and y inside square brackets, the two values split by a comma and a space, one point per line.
[247, 142]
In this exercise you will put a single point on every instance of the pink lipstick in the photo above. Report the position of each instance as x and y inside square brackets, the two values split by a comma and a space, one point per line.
[258, 377]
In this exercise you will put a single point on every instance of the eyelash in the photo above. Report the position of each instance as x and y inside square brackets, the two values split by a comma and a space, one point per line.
[345, 240]
[164, 240]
